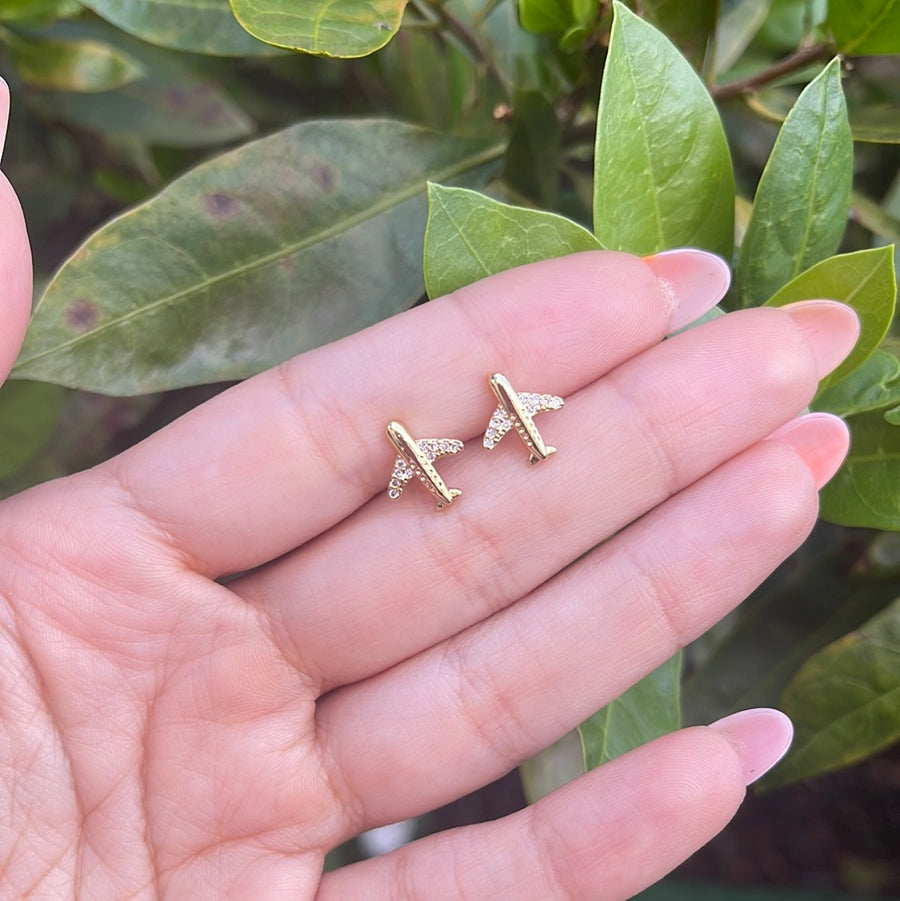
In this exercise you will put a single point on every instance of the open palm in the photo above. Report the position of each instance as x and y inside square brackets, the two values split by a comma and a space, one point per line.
[227, 650]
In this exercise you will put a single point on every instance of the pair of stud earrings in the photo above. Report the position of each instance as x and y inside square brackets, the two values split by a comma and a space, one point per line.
[415, 457]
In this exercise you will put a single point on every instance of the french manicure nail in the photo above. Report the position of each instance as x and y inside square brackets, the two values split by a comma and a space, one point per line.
[821, 439]
[761, 736]
[694, 282]
[831, 327]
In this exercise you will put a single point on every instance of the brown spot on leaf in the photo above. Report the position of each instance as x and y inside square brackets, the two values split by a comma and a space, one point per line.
[325, 177]
[221, 205]
[82, 315]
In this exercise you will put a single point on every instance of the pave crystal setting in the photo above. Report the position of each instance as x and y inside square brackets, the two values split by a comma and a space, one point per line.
[517, 410]
[416, 458]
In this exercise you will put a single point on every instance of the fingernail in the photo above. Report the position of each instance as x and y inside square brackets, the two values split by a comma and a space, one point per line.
[761, 736]
[694, 281]
[831, 327]
[821, 439]
[4, 113]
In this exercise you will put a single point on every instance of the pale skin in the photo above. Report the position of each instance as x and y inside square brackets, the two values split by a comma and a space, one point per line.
[164, 735]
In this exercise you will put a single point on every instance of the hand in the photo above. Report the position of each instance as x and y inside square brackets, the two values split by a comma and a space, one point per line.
[167, 735]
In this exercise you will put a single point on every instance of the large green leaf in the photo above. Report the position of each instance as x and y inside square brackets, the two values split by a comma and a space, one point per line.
[865, 280]
[662, 169]
[865, 490]
[470, 236]
[343, 28]
[71, 65]
[865, 26]
[647, 710]
[801, 204]
[281, 245]
[200, 26]
[845, 701]
[800, 610]
[873, 386]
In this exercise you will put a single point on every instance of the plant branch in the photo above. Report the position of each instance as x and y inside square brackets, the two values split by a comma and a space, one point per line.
[468, 38]
[793, 63]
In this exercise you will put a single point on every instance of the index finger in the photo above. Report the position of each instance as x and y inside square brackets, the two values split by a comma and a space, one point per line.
[275, 461]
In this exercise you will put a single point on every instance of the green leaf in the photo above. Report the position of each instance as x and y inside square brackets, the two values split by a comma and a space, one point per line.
[876, 123]
[343, 28]
[541, 16]
[199, 26]
[650, 708]
[689, 26]
[801, 204]
[865, 26]
[281, 245]
[845, 701]
[191, 113]
[29, 412]
[864, 492]
[662, 168]
[873, 386]
[809, 603]
[37, 11]
[86, 65]
[470, 236]
[865, 280]
[553, 767]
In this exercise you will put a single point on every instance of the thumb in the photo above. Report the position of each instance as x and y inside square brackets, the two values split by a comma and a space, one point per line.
[15, 261]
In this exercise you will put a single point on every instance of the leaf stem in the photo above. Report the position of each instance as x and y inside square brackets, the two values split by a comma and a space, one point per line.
[793, 63]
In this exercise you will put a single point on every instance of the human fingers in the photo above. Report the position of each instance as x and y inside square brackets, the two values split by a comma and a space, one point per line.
[647, 429]
[284, 456]
[15, 260]
[472, 707]
[604, 836]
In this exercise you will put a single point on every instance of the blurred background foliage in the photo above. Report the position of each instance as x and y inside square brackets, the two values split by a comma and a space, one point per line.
[213, 187]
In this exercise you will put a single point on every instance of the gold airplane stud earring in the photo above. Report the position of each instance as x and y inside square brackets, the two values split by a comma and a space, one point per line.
[516, 410]
[416, 458]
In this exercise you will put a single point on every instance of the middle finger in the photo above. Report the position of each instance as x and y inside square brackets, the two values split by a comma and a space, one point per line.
[394, 580]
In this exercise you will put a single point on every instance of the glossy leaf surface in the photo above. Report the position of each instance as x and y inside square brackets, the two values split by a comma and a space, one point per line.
[343, 28]
[800, 208]
[662, 168]
[470, 236]
[845, 700]
[199, 26]
[865, 26]
[864, 492]
[648, 709]
[865, 280]
[276, 247]
[873, 386]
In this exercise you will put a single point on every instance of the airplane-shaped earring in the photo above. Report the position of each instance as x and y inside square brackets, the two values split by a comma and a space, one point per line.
[416, 458]
[516, 411]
